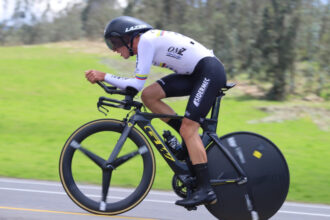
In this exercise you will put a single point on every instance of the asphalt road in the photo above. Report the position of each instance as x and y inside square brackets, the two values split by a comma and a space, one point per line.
[40, 200]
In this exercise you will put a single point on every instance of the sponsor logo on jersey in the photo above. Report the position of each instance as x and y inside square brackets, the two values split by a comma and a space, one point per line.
[175, 52]
[201, 91]
[136, 27]
[118, 77]
[161, 81]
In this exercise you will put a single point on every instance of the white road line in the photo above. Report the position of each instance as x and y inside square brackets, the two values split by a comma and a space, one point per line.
[32, 190]
[117, 189]
[304, 213]
[32, 182]
[148, 200]
[307, 206]
[89, 195]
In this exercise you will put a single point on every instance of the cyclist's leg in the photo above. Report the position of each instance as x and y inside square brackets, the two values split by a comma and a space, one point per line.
[189, 132]
[204, 193]
[151, 97]
[173, 85]
[209, 78]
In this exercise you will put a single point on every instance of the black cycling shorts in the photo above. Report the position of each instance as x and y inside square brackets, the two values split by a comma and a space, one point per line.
[202, 85]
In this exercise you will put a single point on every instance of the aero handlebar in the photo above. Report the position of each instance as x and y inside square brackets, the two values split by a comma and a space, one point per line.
[130, 91]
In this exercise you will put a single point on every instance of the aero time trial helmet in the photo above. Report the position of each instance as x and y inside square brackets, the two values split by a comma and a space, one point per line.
[122, 30]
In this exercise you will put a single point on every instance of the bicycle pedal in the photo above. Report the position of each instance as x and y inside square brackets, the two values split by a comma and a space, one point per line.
[213, 202]
[191, 208]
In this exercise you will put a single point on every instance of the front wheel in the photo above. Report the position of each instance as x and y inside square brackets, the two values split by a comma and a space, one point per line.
[267, 177]
[90, 184]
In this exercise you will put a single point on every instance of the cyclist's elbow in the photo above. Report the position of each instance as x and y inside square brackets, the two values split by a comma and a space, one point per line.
[138, 84]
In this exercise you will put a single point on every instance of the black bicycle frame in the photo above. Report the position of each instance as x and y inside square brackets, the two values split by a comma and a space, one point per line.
[209, 126]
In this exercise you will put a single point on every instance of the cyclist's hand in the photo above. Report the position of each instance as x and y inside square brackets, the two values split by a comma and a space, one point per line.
[94, 76]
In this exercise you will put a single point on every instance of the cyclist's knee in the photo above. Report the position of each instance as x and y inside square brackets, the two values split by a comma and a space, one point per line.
[146, 95]
[152, 93]
[188, 128]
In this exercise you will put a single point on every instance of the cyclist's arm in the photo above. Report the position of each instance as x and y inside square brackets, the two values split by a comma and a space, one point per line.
[122, 82]
[143, 65]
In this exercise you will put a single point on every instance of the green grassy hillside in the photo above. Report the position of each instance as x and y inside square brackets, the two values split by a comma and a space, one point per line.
[44, 97]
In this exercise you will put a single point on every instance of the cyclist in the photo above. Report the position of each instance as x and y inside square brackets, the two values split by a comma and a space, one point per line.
[197, 73]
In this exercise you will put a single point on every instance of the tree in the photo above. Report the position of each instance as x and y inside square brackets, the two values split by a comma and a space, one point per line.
[324, 49]
[3, 33]
[277, 43]
[62, 31]
[97, 14]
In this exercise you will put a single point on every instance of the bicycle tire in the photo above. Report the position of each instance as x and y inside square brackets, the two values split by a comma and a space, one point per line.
[267, 173]
[79, 193]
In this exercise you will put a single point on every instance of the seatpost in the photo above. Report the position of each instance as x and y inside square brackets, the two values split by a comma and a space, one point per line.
[216, 106]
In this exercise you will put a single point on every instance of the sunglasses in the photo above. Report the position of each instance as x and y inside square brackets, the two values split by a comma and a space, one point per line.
[114, 42]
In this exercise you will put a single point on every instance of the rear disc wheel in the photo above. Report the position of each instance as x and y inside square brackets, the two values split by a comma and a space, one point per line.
[267, 173]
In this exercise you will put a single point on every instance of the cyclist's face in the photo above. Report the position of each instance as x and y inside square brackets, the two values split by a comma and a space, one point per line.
[123, 51]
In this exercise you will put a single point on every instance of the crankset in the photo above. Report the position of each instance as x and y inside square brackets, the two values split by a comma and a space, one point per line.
[183, 188]
[179, 188]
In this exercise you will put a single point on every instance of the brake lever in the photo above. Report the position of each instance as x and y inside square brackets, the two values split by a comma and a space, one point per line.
[105, 110]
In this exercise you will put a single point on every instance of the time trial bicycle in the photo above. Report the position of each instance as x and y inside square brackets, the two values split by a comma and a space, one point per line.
[248, 172]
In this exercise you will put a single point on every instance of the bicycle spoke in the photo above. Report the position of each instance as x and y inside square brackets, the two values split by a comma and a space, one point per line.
[85, 146]
[119, 161]
[96, 159]
[106, 178]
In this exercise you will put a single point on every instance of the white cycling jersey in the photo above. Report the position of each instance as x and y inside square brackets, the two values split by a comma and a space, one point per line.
[162, 48]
